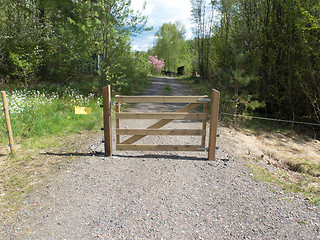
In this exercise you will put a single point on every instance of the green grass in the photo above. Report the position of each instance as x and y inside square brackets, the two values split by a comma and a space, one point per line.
[281, 179]
[166, 89]
[54, 114]
[202, 87]
[311, 169]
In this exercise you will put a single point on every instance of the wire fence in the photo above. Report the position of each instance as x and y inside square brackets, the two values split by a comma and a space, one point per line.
[270, 119]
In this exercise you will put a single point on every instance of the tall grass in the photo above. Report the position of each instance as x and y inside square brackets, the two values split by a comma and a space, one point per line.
[36, 113]
[48, 109]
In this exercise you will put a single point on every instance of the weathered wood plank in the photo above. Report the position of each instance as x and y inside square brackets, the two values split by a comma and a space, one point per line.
[158, 99]
[182, 132]
[170, 116]
[132, 147]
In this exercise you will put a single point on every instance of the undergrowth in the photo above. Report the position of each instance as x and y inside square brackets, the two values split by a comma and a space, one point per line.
[34, 113]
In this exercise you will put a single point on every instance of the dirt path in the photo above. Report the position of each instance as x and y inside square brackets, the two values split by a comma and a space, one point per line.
[166, 195]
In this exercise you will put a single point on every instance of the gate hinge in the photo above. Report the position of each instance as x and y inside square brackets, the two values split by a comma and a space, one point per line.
[115, 103]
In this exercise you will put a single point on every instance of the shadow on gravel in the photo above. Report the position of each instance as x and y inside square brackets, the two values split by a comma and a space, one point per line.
[172, 157]
[101, 154]
[89, 154]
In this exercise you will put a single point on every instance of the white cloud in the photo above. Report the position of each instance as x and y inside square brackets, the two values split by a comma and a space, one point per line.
[137, 5]
[160, 12]
[143, 42]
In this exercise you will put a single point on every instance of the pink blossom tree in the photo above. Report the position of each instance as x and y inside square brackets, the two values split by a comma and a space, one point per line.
[155, 63]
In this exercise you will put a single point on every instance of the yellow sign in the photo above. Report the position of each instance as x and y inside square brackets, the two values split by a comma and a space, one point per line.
[82, 110]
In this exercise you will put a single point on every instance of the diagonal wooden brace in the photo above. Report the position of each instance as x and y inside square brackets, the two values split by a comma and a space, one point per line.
[161, 123]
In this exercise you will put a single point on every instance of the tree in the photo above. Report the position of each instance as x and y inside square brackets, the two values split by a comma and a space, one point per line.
[171, 46]
[113, 23]
[203, 17]
[54, 39]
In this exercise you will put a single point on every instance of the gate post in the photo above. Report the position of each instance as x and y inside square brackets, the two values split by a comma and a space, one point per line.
[106, 94]
[213, 124]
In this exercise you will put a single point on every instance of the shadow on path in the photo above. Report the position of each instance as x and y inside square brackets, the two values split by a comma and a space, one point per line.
[148, 156]
[172, 157]
[90, 154]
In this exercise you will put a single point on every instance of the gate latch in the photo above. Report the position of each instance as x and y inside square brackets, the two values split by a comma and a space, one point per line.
[202, 149]
[204, 99]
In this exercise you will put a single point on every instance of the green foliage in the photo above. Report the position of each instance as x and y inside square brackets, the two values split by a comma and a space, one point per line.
[53, 40]
[22, 68]
[261, 54]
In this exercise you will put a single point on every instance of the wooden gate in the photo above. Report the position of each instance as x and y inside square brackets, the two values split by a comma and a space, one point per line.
[164, 118]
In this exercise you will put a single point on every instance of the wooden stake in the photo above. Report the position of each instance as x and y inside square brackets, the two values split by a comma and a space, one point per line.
[106, 93]
[6, 113]
[213, 124]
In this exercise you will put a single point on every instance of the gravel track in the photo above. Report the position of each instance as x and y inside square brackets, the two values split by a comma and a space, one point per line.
[162, 195]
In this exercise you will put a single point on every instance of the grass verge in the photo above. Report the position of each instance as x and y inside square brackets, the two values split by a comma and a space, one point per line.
[304, 184]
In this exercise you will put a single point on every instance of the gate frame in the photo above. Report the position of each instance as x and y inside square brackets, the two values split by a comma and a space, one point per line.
[180, 114]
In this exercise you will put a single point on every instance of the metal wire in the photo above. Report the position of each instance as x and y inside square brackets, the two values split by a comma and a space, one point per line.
[270, 119]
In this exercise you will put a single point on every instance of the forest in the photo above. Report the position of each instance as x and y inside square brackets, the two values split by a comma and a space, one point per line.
[52, 40]
[263, 55]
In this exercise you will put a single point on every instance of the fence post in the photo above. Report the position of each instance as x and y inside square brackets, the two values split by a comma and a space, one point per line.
[7, 118]
[106, 93]
[213, 124]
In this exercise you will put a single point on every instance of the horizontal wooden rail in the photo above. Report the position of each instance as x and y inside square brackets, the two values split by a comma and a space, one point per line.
[132, 147]
[158, 99]
[185, 132]
[172, 116]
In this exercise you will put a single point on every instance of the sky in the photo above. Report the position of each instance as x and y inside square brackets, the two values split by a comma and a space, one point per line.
[160, 12]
